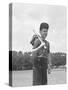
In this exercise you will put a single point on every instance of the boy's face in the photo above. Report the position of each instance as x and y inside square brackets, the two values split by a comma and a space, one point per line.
[43, 33]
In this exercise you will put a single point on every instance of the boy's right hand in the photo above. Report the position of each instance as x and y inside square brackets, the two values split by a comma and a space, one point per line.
[49, 69]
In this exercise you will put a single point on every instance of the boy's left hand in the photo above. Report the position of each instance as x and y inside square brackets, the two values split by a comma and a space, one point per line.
[49, 69]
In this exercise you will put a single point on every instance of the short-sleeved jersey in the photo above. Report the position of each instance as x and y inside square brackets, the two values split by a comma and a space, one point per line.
[42, 51]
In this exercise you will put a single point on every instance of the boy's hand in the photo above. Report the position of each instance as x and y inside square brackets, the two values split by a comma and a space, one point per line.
[49, 69]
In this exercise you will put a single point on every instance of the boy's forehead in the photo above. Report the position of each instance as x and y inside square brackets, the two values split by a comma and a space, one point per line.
[44, 29]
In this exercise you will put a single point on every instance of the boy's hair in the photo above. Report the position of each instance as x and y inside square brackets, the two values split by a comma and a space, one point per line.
[44, 25]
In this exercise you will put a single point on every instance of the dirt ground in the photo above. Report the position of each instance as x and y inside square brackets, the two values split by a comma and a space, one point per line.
[25, 78]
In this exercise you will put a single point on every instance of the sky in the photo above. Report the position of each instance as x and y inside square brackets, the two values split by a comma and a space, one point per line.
[26, 17]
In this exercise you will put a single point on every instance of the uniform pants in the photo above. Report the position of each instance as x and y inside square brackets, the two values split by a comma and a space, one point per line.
[40, 71]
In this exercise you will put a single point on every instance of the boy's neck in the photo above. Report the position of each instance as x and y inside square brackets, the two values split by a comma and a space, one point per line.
[43, 38]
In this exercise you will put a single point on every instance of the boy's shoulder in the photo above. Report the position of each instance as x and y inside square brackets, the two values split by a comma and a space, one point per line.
[34, 37]
[37, 42]
[47, 42]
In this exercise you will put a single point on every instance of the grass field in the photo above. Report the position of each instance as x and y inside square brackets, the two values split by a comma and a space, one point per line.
[25, 78]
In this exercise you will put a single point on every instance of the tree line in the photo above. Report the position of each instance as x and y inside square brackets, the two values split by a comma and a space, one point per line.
[24, 61]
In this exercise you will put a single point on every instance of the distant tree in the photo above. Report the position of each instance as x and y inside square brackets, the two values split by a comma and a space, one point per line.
[24, 61]
[58, 59]
[20, 60]
[27, 63]
[14, 60]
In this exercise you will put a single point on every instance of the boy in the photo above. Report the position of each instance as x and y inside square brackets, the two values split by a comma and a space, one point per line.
[41, 55]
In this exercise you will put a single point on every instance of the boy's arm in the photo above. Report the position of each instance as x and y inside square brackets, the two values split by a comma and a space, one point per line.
[36, 47]
[49, 59]
[49, 63]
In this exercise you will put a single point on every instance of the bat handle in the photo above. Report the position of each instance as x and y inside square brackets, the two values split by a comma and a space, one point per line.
[45, 47]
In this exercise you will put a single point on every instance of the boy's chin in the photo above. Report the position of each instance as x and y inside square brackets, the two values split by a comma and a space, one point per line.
[44, 37]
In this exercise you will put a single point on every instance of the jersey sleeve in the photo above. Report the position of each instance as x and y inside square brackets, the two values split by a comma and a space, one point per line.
[36, 43]
[34, 37]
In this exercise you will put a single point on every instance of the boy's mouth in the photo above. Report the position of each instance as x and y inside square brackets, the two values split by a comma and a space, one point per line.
[44, 35]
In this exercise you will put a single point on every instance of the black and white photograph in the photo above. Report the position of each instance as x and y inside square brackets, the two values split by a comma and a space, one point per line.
[37, 44]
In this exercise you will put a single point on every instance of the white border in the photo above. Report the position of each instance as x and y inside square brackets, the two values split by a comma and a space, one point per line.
[4, 42]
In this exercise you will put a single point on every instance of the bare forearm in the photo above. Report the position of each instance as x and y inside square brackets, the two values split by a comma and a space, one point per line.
[49, 59]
